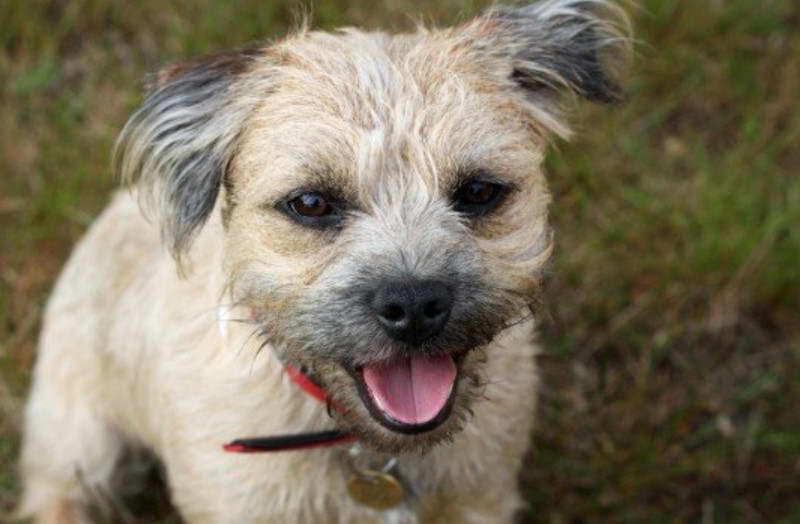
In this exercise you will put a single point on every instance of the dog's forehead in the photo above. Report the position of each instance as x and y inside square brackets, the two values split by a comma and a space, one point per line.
[363, 107]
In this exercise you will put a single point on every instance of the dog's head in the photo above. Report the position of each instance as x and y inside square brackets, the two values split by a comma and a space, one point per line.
[382, 197]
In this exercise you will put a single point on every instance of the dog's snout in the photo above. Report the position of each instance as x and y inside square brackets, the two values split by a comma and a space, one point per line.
[412, 311]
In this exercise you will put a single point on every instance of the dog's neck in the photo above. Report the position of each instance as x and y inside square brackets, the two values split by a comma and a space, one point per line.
[297, 441]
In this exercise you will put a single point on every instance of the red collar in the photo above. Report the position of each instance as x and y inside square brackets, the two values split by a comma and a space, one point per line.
[297, 441]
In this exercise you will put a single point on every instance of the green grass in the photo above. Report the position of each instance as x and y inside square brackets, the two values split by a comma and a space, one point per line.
[672, 363]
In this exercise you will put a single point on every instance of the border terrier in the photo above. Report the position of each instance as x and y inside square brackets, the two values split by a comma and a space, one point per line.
[369, 210]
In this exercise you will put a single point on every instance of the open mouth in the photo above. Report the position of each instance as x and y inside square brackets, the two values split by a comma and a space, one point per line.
[409, 395]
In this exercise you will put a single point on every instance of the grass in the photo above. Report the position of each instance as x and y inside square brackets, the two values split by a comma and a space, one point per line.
[672, 363]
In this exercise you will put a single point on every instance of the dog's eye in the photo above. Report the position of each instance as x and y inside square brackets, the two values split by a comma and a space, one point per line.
[478, 193]
[312, 209]
[478, 197]
[311, 205]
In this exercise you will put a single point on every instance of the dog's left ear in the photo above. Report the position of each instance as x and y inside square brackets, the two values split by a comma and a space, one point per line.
[179, 144]
[555, 47]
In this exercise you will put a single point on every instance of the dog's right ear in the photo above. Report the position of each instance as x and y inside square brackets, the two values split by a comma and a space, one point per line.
[179, 144]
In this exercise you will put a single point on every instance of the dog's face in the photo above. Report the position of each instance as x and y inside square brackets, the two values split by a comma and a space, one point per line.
[382, 197]
[371, 212]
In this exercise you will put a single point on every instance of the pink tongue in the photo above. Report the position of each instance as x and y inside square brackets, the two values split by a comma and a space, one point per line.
[412, 390]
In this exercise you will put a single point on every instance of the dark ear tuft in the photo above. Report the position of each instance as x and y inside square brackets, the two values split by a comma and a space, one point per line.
[178, 145]
[565, 44]
[231, 63]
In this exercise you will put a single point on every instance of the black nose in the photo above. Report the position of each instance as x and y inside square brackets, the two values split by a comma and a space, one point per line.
[412, 311]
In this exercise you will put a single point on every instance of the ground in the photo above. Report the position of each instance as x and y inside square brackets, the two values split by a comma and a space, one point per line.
[671, 327]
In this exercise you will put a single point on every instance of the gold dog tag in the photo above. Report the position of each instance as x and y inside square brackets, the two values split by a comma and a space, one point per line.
[376, 489]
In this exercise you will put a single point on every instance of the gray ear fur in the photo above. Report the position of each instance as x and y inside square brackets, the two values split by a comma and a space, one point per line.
[179, 143]
[558, 44]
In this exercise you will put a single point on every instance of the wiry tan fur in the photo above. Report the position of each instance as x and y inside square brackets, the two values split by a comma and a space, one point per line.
[158, 347]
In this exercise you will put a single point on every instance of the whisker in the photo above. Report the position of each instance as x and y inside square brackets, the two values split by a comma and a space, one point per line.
[242, 320]
[267, 339]
[247, 340]
[518, 321]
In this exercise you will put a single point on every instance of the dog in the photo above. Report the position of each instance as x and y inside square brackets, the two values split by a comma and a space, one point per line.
[365, 212]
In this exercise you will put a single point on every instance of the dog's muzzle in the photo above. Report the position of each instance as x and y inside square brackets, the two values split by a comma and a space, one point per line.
[413, 393]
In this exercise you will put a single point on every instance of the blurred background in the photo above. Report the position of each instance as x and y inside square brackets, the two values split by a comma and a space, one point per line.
[672, 329]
